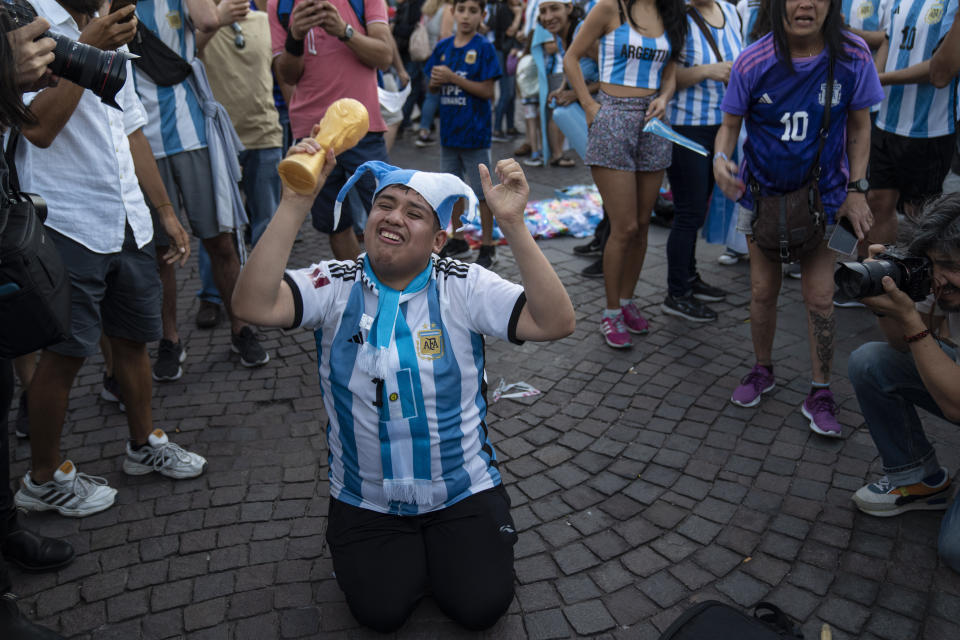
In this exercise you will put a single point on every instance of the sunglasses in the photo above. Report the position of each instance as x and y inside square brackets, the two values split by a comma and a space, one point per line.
[238, 40]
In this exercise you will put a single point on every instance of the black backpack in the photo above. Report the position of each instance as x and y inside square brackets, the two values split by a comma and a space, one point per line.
[713, 620]
[34, 285]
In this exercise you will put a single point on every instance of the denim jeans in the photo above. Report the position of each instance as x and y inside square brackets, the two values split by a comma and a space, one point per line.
[429, 109]
[261, 189]
[505, 105]
[691, 180]
[418, 89]
[889, 390]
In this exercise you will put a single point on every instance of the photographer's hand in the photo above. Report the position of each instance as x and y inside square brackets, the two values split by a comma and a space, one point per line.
[896, 305]
[31, 56]
[109, 32]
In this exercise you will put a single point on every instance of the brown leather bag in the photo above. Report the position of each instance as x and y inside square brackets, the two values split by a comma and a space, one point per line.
[788, 226]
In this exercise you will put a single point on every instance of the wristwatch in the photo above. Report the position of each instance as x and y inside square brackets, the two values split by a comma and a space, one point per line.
[860, 186]
[347, 34]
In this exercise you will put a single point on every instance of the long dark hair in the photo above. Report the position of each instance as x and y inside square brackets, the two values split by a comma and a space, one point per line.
[834, 34]
[13, 112]
[761, 26]
[576, 15]
[674, 18]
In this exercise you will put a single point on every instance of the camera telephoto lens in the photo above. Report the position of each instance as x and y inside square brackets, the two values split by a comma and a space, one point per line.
[857, 280]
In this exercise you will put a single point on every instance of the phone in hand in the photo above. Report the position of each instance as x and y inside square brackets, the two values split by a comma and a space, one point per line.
[116, 5]
[843, 240]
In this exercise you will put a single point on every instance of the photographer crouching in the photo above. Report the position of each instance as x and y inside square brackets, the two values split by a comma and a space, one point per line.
[916, 367]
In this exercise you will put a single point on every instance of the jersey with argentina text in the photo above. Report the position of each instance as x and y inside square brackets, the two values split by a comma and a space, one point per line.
[438, 387]
[631, 59]
[174, 116]
[465, 118]
[783, 112]
[699, 104]
[915, 29]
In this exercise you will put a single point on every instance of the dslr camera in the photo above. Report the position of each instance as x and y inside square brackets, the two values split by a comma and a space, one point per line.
[913, 274]
[102, 72]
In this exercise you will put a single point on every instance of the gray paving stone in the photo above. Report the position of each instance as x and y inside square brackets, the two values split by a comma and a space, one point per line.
[589, 617]
[546, 625]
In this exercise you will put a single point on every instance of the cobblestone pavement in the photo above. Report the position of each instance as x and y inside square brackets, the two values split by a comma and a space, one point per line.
[637, 487]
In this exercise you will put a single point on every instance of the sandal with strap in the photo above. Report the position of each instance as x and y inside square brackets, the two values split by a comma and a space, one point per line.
[563, 161]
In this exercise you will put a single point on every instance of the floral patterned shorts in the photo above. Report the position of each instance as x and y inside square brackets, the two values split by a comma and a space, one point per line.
[616, 139]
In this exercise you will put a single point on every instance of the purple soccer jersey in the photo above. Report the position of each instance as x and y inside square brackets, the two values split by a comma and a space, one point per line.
[784, 111]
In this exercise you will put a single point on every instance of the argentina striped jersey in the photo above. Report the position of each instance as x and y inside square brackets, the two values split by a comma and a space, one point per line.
[915, 29]
[436, 393]
[748, 10]
[630, 59]
[866, 15]
[174, 116]
[699, 105]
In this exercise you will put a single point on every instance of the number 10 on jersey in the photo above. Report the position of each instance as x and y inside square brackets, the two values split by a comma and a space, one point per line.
[794, 126]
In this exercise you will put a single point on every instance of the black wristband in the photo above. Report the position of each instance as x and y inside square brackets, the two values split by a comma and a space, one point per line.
[293, 46]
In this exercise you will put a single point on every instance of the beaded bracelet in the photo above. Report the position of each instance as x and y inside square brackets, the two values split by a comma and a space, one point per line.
[916, 337]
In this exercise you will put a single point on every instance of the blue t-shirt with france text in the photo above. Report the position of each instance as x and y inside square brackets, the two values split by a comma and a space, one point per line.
[464, 118]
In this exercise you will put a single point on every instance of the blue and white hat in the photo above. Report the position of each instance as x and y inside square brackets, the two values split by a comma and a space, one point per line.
[440, 190]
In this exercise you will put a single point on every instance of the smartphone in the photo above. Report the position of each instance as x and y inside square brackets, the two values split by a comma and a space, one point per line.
[843, 240]
[116, 5]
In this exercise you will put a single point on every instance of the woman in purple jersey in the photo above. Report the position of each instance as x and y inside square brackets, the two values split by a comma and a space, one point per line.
[778, 87]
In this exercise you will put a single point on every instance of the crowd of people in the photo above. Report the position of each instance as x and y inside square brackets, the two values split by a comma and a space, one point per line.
[839, 115]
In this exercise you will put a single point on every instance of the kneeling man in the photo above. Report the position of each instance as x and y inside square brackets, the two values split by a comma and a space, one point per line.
[417, 505]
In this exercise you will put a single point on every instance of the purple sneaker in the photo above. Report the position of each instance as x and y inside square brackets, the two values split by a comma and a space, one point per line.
[752, 386]
[632, 319]
[821, 411]
[614, 332]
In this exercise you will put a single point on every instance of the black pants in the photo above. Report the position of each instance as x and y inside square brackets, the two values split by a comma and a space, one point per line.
[6, 493]
[461, 555]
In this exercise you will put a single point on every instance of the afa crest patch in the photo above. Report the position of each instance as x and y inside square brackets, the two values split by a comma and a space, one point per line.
[471, 56]
[430, 343]
[173, 19]
[865, 10]
[934, 14]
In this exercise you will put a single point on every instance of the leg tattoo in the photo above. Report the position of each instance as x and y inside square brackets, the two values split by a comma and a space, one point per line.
[824, 331]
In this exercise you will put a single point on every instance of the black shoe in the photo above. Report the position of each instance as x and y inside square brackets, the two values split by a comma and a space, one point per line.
[705, 292]
[592, 248]
[169, 356]
[23, 417]
[246, 344]
[111, 391]
[488, 256]
[593, 270]
[513, 132]
[664, 208]
[455, 248]
[208, 316]
[688, 307]
[31, 551]
[16, 627]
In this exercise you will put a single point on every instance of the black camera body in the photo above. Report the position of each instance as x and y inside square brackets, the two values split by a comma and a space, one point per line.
[911, 273]
[102, 72]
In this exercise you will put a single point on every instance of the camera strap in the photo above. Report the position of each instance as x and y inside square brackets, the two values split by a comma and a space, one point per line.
[815, 169]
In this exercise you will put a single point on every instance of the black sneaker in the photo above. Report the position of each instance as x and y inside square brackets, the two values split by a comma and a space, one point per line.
[455, 248]
[111, 391]
[488, 256]
[424, 140]
[23, 417]
[208, 316]
[18, 626]
[497, 136]
[688, 307]
[513, 132]
[591, 248]
[593, 270]
[169, 356]
[705, 292]
[246, 344]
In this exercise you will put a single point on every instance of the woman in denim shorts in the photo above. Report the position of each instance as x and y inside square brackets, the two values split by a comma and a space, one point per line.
[636, 56]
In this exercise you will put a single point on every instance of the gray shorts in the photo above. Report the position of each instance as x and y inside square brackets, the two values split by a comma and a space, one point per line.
[117, 294]
[463, 164]
[189, 184]
[616, 140]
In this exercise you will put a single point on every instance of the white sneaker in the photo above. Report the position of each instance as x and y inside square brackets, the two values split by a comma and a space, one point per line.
[164, 457]
[70, 493]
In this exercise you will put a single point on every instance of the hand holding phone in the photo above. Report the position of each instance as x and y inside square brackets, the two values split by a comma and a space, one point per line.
[116, 5]
[843, 240]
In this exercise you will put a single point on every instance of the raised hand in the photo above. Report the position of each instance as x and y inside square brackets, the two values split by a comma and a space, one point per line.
[507, 200]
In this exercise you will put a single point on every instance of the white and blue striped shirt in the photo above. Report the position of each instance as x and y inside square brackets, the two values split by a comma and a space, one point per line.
[437, 394]
[699, 105]
[748, 10]
[175, 117]
[631, 59]
[915, 29]
[866, 15]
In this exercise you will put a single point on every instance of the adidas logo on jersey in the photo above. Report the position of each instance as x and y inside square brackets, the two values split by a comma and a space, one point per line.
[357, 338]
[766, 99]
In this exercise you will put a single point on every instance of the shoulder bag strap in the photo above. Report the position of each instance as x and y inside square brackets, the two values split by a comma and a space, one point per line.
[698, 19]
[825, 128]
[12, 188]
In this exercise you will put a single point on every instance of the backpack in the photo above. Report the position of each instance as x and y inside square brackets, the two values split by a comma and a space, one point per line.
[713, 620]
[34, 286]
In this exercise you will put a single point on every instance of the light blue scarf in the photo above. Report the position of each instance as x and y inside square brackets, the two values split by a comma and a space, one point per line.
[375, 352]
